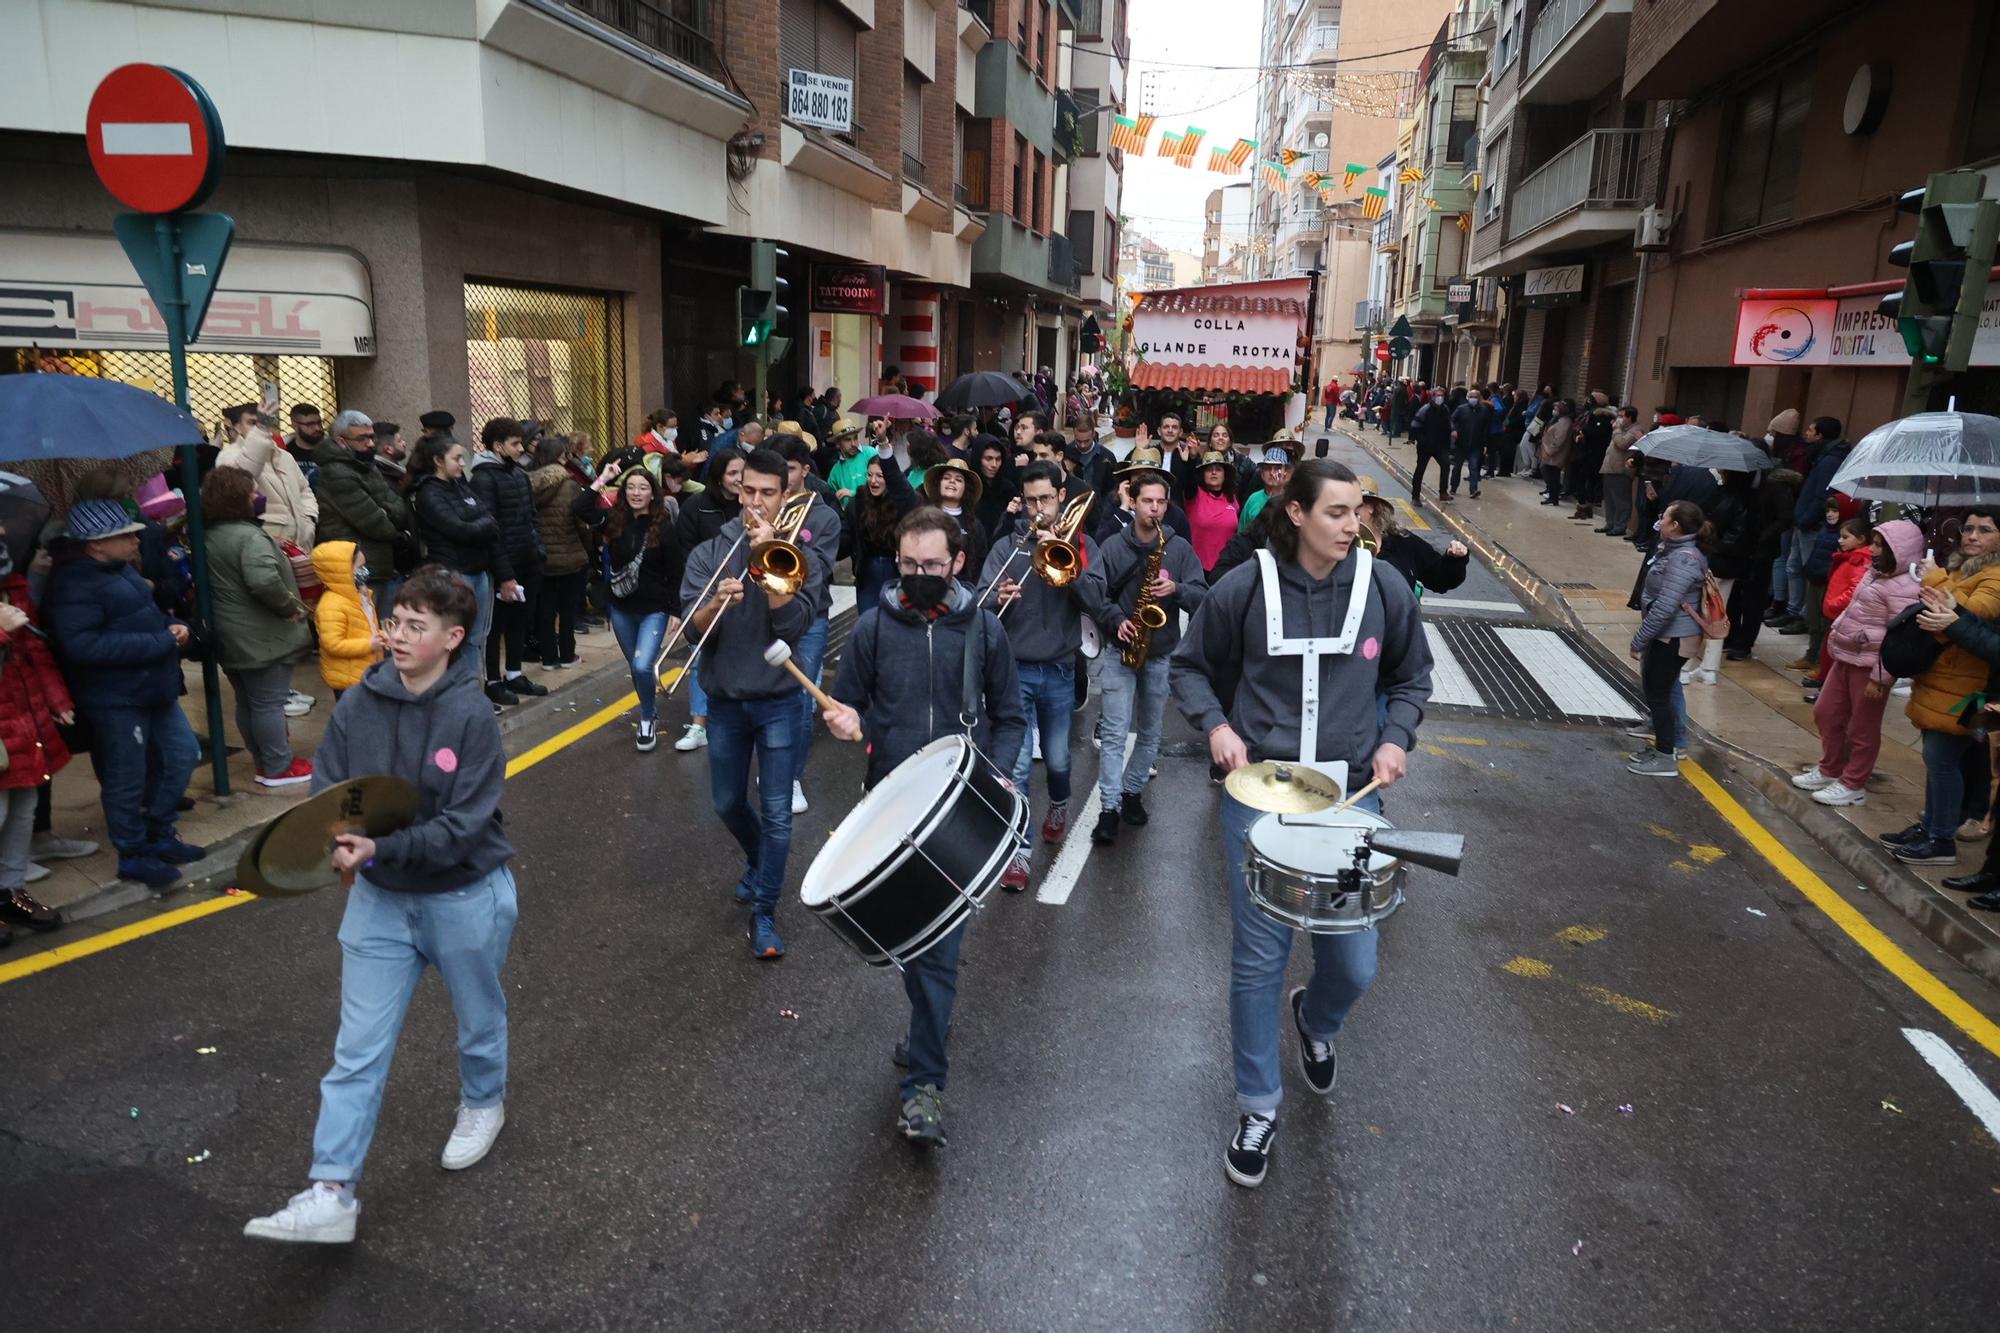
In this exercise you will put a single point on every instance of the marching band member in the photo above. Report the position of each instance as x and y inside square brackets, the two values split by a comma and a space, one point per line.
[1240, 677]
[905, 667]
[753, 705]
[1148, 572]
[822, 533]
[1044, 625]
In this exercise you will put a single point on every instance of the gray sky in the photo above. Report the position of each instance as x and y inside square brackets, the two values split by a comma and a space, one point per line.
[1175, 43]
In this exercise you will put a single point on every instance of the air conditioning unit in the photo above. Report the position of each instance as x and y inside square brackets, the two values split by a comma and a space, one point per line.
[1653, 229]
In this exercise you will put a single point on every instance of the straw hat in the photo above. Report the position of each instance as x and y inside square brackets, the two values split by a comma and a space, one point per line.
[794, 428]
[975, 485]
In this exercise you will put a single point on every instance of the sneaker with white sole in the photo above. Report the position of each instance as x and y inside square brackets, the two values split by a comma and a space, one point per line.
[1812, 779]
[298, 705]
[320, 1214]
[1657, 764]
[649, 735]
[472, 1137]
[48, 847]
[1836, 793]
[1249, 1151]
[799, 805]
[694, 738]
[1642, 732]
[1317, 1061]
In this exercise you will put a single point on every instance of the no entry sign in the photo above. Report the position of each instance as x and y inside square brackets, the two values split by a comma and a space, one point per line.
[154, 138]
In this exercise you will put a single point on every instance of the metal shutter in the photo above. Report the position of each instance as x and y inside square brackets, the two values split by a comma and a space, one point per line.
[836, 41]
[798, 37]
[1533, 324]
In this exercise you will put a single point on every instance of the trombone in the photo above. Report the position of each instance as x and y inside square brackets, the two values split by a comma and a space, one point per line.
[777, 566]
[1055, 554]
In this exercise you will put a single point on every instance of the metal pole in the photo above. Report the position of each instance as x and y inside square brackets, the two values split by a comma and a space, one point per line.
[167, 229]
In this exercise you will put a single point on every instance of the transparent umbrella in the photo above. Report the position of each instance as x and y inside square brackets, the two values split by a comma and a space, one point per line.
[1930, 459]
[1698, 446]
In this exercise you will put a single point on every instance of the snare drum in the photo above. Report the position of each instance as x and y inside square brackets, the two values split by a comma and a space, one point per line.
[926, 846]
[1301, 870]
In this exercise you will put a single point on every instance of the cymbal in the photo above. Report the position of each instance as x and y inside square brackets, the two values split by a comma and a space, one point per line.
[291, 855]
[1283, 789]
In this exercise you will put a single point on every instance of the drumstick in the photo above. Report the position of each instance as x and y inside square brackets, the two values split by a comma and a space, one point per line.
[1357, 796]
[780, 654]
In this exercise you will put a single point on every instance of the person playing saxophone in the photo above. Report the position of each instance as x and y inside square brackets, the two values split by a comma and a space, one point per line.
[1151, 575]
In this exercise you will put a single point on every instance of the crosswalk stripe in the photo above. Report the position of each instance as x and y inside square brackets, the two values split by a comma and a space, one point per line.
[1571, 683]
[1449, 683]
[1470, 604]
[1060, 882]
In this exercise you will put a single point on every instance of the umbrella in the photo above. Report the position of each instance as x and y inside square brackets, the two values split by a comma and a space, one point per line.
[23, 510]
[1698, 446]
[81, 416]
[983, 388]
[1930, 459]
[899, 407]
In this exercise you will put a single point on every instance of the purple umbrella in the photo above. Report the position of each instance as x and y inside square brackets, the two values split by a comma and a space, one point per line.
[899, 407]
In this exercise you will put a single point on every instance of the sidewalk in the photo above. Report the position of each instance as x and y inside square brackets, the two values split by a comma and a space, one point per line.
[1753, 721]
[90, 886]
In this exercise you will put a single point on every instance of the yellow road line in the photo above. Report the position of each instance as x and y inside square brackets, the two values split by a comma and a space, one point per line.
[1858, 928]
[111, 939]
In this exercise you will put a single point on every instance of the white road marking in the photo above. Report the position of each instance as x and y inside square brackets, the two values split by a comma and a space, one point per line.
[1939, 1055]
[1449, 683]
[1060, 882]
[843, 598]
[1571, 683]
[1466, 604]
[140, 139]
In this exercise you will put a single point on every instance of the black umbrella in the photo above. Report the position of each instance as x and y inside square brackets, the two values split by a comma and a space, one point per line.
[983, 388]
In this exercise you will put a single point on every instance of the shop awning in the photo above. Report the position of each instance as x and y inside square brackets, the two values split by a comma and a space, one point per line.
[1219, 379]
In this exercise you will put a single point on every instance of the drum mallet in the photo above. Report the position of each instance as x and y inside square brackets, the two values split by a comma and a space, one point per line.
[780, 654]
[1350, 800]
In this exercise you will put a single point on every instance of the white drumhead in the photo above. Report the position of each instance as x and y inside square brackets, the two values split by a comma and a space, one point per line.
[1319, 848]
[874, 829]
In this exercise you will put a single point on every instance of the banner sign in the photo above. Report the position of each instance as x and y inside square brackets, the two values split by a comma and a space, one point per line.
[821, 100]
[1822, 331]
[1553, 286]
[850, 289]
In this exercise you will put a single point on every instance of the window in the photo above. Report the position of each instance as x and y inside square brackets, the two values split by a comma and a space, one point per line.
[1083, 239]
[1325, 33]
[1508, 37]
[814, 35]
[1038, 217]
[974, 183]
[1088, 121]
[1021, 209]
[1464, 121]
[1761, 172]
[1090, 22]
[1042, 27]
[913, 125]
[1321, 158]
[1118, 26]
[1450, 252]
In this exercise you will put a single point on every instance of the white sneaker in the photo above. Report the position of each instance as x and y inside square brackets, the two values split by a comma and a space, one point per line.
[1901, 689]
[36, 872]
[1834, 793]
[649, 734]
[798, 797]
[1812, 779]
[318, 1215]
[48, 847]
[694, 738]
[472, 1137]
[1038, 743]
[298, 705]
[1698, 676]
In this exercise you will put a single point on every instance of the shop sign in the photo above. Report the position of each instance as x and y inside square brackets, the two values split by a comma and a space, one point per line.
[1553, 286]
[850, 289]
[820, 100]
[1850, 331]
[1217, 338]
[1458, 293]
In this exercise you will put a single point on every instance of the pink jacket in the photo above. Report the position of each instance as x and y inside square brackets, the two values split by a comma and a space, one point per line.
[1856, 638]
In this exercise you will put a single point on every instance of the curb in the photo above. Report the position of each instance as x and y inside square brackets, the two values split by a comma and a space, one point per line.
[1943, 921]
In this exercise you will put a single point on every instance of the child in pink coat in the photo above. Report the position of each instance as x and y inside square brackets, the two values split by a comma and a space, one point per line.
[1850, 705]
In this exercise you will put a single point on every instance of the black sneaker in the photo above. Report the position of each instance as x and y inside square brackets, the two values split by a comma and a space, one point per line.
[522, 685]
[19, 909]
[922, 1117]
[1106, 831]
[1250, 1149]
[501, 695]
[1927, 852]
[1910, 834]
[1317, 1060]
[1215, 773]
[1132, 810]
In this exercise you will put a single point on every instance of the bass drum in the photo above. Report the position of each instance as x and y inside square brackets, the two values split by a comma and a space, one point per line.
[908, 864]
[1316, 873]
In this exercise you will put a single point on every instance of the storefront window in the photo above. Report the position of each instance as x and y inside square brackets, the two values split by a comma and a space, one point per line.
[556, 357]
[215, 379]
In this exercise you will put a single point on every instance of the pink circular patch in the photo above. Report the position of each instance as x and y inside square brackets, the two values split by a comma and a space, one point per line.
[447, 758]
[1371, 649]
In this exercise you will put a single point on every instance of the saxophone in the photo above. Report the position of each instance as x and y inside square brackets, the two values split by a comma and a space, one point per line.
[1147, 614]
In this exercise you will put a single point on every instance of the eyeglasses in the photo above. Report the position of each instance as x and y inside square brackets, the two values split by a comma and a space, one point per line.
[923, 566]
[393, 628]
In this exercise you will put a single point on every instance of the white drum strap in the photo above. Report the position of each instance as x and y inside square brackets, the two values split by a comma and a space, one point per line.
[1310, 650]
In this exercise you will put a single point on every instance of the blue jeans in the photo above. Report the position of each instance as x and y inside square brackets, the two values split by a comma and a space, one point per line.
[931, 982]
[1343, 968]
[1121, 684]
[639, 638]
[811, 657]
[1944, 783]
[1800, 545]
[482, 617]
[143, 758]
[1781, 575]
[1048, 696]
[697, 696]
[1463, 454]
[387, 939]
[768, 726]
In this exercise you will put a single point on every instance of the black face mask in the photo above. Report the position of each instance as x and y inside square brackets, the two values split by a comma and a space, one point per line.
[925, 591]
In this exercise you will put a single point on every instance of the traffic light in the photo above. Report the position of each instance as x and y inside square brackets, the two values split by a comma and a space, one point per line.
[1949, 259]
[753, 316]
[766, 298]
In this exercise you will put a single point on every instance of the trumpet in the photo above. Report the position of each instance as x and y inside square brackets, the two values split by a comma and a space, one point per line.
[777, 566]
[1057, 558]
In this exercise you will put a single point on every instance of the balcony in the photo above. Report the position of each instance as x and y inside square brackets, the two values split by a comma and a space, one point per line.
[1066, 138]
[1062, 263]
[1011, 255]
[1587, 194]
[1367, 316]
[1387, 240]
[979, 9]
[676, 28]
[1575, 49]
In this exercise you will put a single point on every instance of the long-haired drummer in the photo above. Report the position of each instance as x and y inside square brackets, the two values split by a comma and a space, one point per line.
[904, 681]
[1241, 676]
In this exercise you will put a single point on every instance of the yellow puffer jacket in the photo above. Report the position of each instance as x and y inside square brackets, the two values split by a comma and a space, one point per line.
[1976, 585]
[345, 618]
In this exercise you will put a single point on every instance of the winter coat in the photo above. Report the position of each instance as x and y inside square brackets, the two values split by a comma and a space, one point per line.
[1620, 450]
[32, 692]
[1809, 514]
[1673, 577]
[110, 638]
[505, 492]
[658, 589]
[1776, 494]
[357, 504]
[1856, 637]
[705, 515]
[259, 618]
[458, 531]
[1557, 447]
[1975, 584]
[1849, 568]
[344, 617]
[1735, 522]
[291, 510]
[555, 496]
[1431, 429]
[1818, 559]
[1422, 564]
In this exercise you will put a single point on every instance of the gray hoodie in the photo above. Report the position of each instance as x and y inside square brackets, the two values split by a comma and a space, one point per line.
[447, 742]
[821, 534]
[1225, 653]
[1123, 560]
[904, 672]
[733, 666]
[1045, 623]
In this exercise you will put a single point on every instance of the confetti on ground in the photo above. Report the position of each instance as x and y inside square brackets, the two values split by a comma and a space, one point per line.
[135, 1113]
[232, 891]
[1891, 1106]
[787, 1013]
[1754, 912]
[1566, 1110]
[202, 1158]
[205, 1050]
[1576, 1248]
[1625, 1108]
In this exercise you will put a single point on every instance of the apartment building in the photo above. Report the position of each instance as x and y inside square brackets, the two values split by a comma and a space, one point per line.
[1225, 234]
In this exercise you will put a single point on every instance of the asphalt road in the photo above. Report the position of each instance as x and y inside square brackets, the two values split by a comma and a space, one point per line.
[681, 1154]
